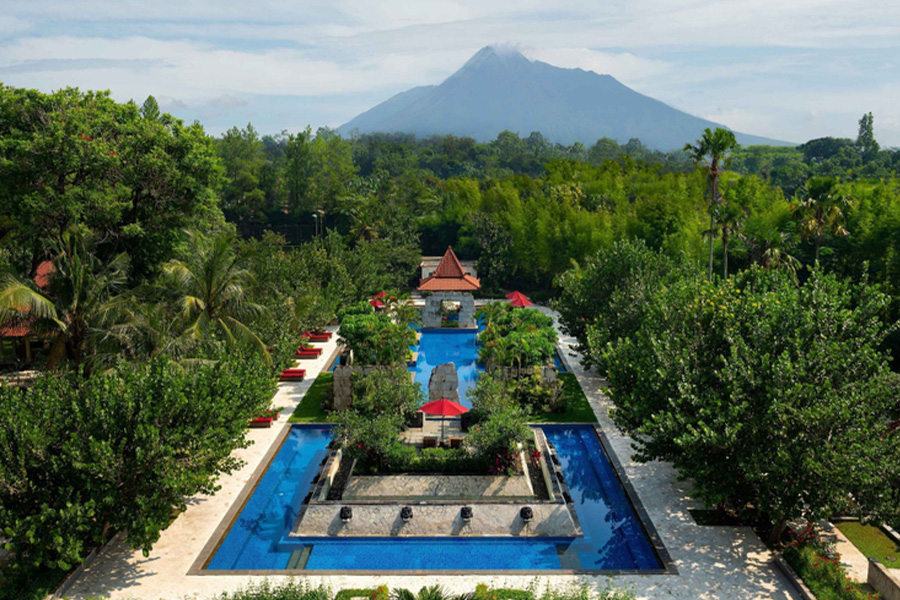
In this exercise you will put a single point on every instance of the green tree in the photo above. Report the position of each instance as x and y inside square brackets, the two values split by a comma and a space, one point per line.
[118, 452]
[819, 210]
[298, 170]
[713, 149]
[80, 306]
[74, 159]
[212, 290]
[243, 155]
[150, 109]
[865, 142]
[374, 339]
[772, 398]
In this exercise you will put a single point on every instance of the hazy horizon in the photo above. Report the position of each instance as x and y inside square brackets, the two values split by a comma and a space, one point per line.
[791, 71]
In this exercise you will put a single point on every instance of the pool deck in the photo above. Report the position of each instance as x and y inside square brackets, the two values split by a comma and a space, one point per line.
[712, 562]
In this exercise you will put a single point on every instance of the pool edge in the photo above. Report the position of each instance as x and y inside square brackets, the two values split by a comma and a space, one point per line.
[218, 536]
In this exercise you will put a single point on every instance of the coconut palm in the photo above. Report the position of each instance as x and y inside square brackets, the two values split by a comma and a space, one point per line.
[212, 290]
[819, 210]
[81, 299]
[712, 149]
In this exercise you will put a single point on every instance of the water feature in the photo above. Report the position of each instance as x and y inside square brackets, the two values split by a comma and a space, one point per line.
[613, 537]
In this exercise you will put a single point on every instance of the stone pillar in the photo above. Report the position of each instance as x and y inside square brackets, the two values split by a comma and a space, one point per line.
[466, 310]
[444, 383]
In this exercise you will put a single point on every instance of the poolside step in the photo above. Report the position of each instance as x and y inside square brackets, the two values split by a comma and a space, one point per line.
[299, 558]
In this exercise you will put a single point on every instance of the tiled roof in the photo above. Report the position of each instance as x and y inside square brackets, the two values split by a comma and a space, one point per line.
[449, 277]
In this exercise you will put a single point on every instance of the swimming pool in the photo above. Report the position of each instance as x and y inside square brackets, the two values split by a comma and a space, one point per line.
[614, 538]
[439, 346]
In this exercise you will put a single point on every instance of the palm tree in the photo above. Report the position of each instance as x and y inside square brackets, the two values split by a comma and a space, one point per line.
[212, 287]
[772, 248]
[712, 149]
[80, 301]
[819, 210]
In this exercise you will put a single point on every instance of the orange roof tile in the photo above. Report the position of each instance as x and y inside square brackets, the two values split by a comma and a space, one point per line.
[449, 277]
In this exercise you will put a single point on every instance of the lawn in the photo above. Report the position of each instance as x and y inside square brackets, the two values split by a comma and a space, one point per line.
[872, 542]
[310, 409]
[579, 410]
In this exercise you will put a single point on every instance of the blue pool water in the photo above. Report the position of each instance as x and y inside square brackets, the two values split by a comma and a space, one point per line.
[613, 536]
[439, 346]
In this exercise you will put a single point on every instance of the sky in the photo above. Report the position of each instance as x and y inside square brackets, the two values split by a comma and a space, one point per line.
[786, 69]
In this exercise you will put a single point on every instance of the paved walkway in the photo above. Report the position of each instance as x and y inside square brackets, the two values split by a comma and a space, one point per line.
[722, 563]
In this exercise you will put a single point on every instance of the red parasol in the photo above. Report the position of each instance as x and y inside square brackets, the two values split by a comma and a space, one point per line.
[380, 295]
[376, 303]
[514, 295]
[520, 302]
[445, 408]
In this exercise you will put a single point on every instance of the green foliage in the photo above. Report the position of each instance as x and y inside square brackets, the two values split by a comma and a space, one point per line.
[360, 308]
[386, 391]
[403, 458]
[515, 337]
[73, 159]
[766, 394]
[291, 590]
[84, 458]
[606, 299]
[526, 391]
[820, 569]
[382, 402]
[375, 339]
[28, 583]
[577, 407]
[496, 438]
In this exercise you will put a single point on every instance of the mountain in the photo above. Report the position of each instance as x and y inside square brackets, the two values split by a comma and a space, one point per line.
[500, 89]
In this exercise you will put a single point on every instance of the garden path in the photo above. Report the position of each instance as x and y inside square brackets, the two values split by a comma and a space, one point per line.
[721, 563]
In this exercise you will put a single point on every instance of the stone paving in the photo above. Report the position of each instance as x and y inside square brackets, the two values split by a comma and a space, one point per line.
[712, 562]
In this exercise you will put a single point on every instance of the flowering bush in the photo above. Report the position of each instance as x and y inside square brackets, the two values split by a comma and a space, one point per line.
[819, 565]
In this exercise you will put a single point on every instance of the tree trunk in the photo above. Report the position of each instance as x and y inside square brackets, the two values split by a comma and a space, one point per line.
[777, 531]
[725, 250]
[710, 243]
[57, 351]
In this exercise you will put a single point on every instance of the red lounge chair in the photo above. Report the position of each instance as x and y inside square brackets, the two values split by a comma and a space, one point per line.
[309, 352]
[318, 336]
[261, 422]
[293, 374]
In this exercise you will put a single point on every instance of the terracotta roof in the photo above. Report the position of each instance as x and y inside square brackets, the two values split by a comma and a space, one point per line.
[43, 273]
[449, 277]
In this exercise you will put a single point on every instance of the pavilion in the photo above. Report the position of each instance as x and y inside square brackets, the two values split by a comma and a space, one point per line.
[449, 282]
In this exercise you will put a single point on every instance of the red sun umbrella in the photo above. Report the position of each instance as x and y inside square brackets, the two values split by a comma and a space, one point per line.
[376, 303]
[520, 302]
[380, 295]
[514, 295]
[445, 408]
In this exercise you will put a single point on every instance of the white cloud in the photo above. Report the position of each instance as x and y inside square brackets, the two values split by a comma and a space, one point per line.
[772, 81]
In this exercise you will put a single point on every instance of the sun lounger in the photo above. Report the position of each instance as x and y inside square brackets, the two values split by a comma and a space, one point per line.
[318, 336]
[309, 352]
[293, 375]
[429, 441]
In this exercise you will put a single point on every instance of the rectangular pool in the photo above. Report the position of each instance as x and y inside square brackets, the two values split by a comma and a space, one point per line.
[614, 537]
